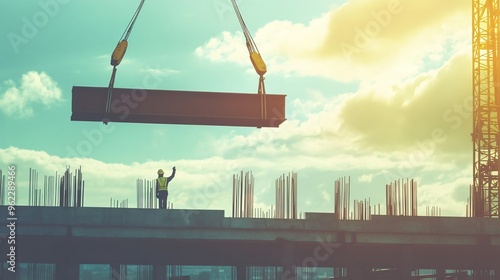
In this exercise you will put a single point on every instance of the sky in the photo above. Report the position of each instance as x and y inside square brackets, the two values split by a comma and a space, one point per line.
[376, 91]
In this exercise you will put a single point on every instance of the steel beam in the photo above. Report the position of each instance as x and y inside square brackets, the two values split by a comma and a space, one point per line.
[176, 107]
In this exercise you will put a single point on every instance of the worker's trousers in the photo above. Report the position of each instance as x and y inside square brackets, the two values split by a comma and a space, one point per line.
[163, 199]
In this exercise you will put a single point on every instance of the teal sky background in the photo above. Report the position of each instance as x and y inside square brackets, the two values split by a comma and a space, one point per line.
[74, 48]
[369, 85]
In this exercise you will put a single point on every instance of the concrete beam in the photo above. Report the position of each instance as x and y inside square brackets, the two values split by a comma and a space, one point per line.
[194, 237]
[176, 107]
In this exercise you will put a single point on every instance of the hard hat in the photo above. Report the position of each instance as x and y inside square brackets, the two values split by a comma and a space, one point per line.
[160, 171]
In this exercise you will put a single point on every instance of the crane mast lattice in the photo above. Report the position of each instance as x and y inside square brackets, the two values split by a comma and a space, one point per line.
[486, 107]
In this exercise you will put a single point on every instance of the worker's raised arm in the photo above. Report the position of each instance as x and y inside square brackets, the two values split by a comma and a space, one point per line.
[169, 178]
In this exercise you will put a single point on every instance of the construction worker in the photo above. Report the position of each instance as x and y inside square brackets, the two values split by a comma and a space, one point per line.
[162, 187]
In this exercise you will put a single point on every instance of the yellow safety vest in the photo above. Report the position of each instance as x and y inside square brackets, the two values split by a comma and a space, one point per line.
[162, 184]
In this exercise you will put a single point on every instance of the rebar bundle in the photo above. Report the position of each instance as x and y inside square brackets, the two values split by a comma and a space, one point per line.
[47, 196]
[475, 202]
[69, 192]
[243, 195]
[362, 210]
[49, 190]
[115, 203]
[71, 189]
[34, 192]
[401, 198]
[146, 194]
[433, 211]
[263, 213]
[341, 198]
[286, 196]
[2, 188]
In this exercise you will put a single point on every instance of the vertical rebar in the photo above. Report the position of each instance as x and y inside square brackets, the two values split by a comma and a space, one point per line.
[233, 200]
[286, 196]
[401, 198]
[295, 195]
[243, 195]
[2, 188]
[30, 186]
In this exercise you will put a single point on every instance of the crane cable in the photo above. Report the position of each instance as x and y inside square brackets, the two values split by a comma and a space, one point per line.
[255, 57]
[118, 54]
[130, 25]
[252, 47]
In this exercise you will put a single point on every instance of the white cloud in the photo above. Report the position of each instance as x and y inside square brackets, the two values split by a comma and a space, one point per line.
[366, 178]
[326, 195]
[225, 47]
[159, 72]
[450, 196]
[207, 183]
[36, 88]
[413, 123]
[200, 184]
[368, 40]
[417, 128]
[431, 112]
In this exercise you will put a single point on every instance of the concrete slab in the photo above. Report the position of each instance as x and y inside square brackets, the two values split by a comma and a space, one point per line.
[206, 237]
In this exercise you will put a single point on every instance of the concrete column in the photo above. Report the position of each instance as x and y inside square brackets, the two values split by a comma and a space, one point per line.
[403, 273]
[159, 272]
[405, 264]
[66, 271]
[8, 275]
[289, 272]
[289, 269]
[440, 274]
[241, 272]
[337, 272]
[358, 273]
[173, 270]
[115, 272]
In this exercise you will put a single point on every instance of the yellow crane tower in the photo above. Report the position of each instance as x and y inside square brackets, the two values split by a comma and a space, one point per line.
[257, 61]
[486, 107]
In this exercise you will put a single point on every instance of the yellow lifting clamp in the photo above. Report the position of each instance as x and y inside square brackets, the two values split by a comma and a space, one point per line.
[258, 63]
[119, 52]
[117, 56]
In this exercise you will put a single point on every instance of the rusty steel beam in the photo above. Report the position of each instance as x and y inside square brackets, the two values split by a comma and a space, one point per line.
[176, 107]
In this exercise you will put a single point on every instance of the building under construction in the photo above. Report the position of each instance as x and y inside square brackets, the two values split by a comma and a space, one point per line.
[353, 241]
[351, 229]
